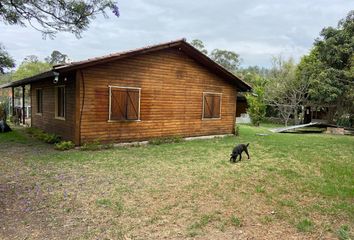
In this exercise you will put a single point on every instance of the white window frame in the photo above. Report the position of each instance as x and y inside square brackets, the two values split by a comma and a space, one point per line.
[214, 93]
[56, 102]
[110, 104]
[39, 113]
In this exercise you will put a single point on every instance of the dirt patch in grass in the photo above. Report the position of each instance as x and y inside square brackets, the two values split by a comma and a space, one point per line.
[185, 190]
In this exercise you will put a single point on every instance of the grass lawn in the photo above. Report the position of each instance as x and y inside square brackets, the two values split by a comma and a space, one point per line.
[296, 186]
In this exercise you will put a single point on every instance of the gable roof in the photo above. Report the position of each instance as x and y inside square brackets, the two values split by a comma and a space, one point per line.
[179, 44]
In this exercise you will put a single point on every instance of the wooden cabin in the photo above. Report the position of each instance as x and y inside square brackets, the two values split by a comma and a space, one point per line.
[165, 90]
[323, 113]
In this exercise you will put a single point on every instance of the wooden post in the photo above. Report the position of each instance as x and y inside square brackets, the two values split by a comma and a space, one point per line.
[13, 101]
[23, 104]
[78, 102]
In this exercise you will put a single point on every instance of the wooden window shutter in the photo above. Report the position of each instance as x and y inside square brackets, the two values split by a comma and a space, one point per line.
[208, 108]
[212, 105]
[132, 104]
[124, 103]
[118, 104]
[216, 106]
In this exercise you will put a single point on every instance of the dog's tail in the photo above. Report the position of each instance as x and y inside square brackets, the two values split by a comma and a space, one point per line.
[247, 144]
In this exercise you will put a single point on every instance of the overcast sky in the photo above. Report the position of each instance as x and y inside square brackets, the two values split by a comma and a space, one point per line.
[257, 30]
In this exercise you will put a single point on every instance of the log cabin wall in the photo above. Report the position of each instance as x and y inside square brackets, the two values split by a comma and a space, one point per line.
[171, 104]
[47, 120]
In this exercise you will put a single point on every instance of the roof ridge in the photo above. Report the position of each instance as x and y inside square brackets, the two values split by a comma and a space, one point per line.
[116, 54]
[181, 44]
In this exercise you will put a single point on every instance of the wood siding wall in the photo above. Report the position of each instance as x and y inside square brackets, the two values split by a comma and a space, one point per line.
[47, 121]
[172, 86]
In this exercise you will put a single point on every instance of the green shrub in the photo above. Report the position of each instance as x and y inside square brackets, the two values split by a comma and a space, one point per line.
[163, 140]
[256, 101]
[64, 145]
[51, 138]
[344, 121]
[43, 136]
[40, 136]
[256, 106]
[237, 130]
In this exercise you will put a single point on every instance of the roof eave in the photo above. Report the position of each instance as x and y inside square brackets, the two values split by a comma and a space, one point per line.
[29, 80]
[243, 86]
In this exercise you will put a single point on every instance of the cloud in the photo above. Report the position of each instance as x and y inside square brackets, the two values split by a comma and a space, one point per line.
[257, 30]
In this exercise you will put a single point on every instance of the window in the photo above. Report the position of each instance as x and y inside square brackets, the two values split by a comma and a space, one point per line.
[39, 96]
[211, 105]
[60, 102]
[124, 103]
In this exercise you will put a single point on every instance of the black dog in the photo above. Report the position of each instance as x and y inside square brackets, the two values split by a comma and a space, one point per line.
[238, 151]
[4, 127]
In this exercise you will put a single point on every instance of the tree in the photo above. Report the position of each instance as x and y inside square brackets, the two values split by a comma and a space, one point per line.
[5, 78]
[329, 68]
[6, 62]
[255, 100]
[29, 67]
[285, 91]
[51, 17]
[335, 51]
[228, 59]
[198, 44]
[57, 57]
[30, 59]
[251, 73]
